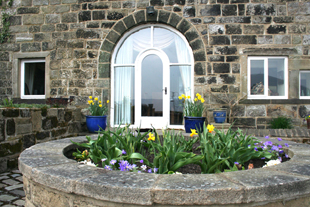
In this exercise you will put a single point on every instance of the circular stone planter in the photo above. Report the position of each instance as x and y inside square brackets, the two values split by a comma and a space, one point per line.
[51, 179]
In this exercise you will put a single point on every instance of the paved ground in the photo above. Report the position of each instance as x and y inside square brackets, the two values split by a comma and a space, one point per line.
[11, 189]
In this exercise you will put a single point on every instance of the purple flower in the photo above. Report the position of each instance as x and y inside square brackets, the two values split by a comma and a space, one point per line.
[280, 158]
[104, 159]
[263, 158]
[249, 145]
[255, 143]
[141, 161]
[286, 155]
[112, 162]
[268, 143]
[124, 165]
[279, 139]
[267, 137]
[155, 169]
[255, 148]
[139, 171]
[281, 151]
[286, 144]
[236, 163]
[275, 148]
[107, 167]
[124, 152]
[279, 146]
[149, 170]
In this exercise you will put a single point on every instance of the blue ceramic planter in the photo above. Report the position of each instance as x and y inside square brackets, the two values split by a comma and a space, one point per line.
[219, 116]
[94, 123]
[193, 123]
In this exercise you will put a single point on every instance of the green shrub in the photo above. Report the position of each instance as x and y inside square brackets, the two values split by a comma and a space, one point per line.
[281, 122]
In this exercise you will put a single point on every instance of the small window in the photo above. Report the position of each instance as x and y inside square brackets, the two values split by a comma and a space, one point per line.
[267, 78]
[304, 82]
[33, 79]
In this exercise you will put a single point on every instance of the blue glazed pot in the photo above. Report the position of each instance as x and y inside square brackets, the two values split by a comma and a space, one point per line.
[193, 123]
[219, 116]
[94, 123]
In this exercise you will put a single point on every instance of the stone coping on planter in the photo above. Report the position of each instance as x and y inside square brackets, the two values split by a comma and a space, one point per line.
[46, 169]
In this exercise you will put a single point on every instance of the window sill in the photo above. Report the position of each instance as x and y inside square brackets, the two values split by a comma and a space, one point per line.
[275, 101]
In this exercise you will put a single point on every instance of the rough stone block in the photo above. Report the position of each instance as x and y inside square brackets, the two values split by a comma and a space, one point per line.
[220, 40]
[247, 122]
[264, 39]
[99, 5]
[115, 15]
[33, 19]
[276, 29]
[10, 147]
[233, 29]
[253, 29]
[282, 39]
[226, 50]
[24, 128]
[233, 20]
[221, 67]
[199, 56]
[244, 39]
[261, 20]
[69, 17]
[228, 79]
[2, 130]
[261, 9]
[28, 10]
[297, 29]
[211, 10]
[104, 70]
[49, 122]
[15, 20]
[107, 46]
[191, 35]
[229, 10]
[30, 47]
[129, 21]
[200, 69]
[286, 19]
[256, 110]
[298, 8]
[10, 112]
[216, 29]
[10, 127]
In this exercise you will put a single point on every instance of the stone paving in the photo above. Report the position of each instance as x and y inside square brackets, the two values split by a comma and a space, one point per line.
[11, 189]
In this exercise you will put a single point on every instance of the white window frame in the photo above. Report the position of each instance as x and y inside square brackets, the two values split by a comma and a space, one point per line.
[113, 65]
[22, 80]
[302, 71]
[266, 83]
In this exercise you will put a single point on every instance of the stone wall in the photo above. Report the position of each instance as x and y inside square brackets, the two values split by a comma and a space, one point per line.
[22, 128]
[78, 38]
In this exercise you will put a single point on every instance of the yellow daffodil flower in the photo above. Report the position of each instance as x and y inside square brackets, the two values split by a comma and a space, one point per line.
[151, 137]
[202, 100]
[183, 96]
[193, 132]
[196, 99]
[180, 97]
[99, 102]
[210, 128]
[90, 97]
[100, 105]
[96, 99]
[188, 97]
[90, 101]
[197, 94]
[108, 101]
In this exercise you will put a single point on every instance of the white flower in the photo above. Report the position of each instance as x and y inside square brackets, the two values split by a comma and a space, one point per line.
[85, 162]
[272, 162]
[177, 173]
[143, 167]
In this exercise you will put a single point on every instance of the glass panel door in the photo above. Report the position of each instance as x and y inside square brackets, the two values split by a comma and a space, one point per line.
[152, 86]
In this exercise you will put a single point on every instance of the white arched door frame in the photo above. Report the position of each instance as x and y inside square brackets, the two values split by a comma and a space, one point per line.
[151, 121]
[113, 65]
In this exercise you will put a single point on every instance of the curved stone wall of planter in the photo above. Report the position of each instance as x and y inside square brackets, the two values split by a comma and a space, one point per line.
[51, 179]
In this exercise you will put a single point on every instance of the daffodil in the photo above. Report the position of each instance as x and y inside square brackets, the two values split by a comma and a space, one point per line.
[96, 99]
[99, 102]
[108, 101]
[180, 97]
[210, 128]
[151, 137]
[202, 100]
[193, 132]
[100, 105]
[183, 96]
[196, 99]
[90, 97]
[90, 101]
[188, 97]
[197, 94]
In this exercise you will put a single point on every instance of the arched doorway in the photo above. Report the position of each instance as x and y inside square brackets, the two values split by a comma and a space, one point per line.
[151, 66]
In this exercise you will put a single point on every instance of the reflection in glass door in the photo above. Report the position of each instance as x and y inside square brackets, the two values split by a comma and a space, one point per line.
[152, 86]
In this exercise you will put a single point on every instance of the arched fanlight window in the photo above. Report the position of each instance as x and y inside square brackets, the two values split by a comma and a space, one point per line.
[134, 53]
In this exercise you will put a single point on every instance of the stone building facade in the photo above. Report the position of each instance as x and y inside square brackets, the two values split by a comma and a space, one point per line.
[78, 41]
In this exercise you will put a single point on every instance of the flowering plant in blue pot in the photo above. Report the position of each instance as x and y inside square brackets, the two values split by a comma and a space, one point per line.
[97, 120]
[193, 110]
